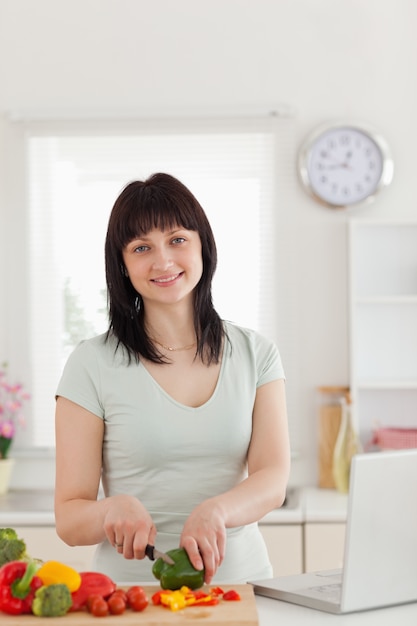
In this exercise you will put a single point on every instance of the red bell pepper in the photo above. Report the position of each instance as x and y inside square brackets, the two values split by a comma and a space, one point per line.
[231, 595]
[92, 583]
[18, 584]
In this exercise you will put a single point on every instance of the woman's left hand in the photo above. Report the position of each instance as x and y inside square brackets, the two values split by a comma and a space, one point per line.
[204, 538]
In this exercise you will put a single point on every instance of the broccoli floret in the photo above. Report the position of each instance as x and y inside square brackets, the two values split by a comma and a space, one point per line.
[8, 533]
[12, 548]
[52, 600]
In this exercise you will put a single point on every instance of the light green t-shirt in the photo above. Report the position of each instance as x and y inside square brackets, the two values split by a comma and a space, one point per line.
[171, 456]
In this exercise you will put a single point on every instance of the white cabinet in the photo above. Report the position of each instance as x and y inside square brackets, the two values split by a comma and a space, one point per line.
[285, 547]
[43, 543]
[324, 545]
[383, 324]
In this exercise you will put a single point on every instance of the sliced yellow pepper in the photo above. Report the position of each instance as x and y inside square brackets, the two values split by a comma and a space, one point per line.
[181, 598]
[54, 572]
[174, 600]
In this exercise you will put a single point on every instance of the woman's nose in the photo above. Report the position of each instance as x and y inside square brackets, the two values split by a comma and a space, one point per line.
[162, 259]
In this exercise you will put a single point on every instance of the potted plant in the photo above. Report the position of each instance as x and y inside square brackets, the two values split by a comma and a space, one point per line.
[12, 398]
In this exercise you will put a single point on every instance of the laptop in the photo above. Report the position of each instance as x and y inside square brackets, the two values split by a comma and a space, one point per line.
[380, 556]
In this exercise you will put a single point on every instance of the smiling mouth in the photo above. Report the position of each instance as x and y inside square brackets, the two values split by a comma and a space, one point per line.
[167, 279]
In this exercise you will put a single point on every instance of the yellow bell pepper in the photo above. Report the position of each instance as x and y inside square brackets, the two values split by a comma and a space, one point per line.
[178, 599]
[54, 572]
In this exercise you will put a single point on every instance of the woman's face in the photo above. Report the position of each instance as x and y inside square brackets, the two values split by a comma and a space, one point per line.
[164, 266]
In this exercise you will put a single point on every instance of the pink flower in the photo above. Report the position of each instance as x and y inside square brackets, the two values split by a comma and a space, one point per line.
[7, 429]
[12, 399]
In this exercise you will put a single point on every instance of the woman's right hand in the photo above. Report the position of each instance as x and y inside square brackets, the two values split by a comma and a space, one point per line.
[128, 526]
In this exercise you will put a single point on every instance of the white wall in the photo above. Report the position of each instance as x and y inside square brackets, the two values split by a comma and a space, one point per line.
[329, 59]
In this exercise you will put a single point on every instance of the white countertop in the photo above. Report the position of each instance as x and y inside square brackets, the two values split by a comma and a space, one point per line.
[275, 612]
[310, 504]
[306, 504]
[27, 508]
[324, 505]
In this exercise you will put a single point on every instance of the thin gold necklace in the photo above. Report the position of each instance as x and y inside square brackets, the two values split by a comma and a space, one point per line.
[173, 349]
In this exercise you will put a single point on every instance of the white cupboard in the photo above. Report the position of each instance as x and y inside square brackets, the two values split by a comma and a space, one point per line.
[383, 324]
[285, 547]
[324, 545]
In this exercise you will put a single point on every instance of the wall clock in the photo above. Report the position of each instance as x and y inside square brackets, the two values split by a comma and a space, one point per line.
[343, 164]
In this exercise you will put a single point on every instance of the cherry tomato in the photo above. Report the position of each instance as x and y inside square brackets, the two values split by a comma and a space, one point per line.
[99, 607]
[137, 598]
[92, 598]
[120, 592]
[116, 604]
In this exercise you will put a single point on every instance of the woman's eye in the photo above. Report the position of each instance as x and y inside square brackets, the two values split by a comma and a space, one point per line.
[140, 248]
[178, 240]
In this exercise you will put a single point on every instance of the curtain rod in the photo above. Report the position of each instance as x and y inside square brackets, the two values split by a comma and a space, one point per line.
[73, 114]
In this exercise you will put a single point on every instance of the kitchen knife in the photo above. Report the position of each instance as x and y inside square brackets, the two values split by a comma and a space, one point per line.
[152, 553]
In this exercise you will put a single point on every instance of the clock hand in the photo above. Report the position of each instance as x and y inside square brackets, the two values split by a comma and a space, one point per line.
[338, 165]
[334, 166]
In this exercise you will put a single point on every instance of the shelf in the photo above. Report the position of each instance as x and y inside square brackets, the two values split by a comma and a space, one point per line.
[391, 385]
[404, 299]
[383, 324]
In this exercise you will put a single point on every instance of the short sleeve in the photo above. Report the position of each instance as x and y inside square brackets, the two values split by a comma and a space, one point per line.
[80, 380]
[268, 361]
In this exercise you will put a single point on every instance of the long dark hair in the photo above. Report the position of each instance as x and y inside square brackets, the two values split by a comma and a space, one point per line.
[162, 202]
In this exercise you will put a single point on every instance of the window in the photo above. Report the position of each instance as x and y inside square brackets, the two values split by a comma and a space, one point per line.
[75, 171]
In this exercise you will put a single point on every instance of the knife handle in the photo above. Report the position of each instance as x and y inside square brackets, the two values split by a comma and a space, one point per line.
[149, 551]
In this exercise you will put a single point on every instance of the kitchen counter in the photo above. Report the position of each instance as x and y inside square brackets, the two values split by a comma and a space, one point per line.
[307, 504]
[22, 507]
[310, 504]
[273, 612]
[36, 508]
[292, 512]
[324, 505]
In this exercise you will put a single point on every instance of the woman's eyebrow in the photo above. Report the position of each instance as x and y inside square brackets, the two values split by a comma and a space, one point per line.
[145, 237]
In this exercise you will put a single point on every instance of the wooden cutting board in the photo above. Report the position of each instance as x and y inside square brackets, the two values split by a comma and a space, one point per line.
[242, 613]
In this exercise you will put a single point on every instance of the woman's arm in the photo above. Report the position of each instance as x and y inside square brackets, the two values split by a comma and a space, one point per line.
[268, 461]
[81, 519]
[264, 489]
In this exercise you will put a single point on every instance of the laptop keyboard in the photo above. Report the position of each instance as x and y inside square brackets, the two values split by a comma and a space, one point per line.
[330, 592]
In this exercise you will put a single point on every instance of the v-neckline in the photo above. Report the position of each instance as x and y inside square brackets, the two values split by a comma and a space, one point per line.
[178, 402]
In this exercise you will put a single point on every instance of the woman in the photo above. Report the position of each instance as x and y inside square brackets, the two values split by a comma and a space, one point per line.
[181, 415]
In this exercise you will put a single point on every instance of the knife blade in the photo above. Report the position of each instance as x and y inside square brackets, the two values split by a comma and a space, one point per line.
[152, 553]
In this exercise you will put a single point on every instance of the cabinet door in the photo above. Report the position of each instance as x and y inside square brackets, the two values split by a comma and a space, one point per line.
[285, 547]
[43, 543]
[323, 546]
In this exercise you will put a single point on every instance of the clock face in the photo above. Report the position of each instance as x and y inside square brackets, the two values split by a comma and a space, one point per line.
[343, 165]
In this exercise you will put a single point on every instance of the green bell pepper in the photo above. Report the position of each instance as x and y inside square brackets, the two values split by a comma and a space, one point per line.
[181, 574]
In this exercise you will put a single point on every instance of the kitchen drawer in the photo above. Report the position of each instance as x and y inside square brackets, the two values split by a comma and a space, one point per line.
[285, 547]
